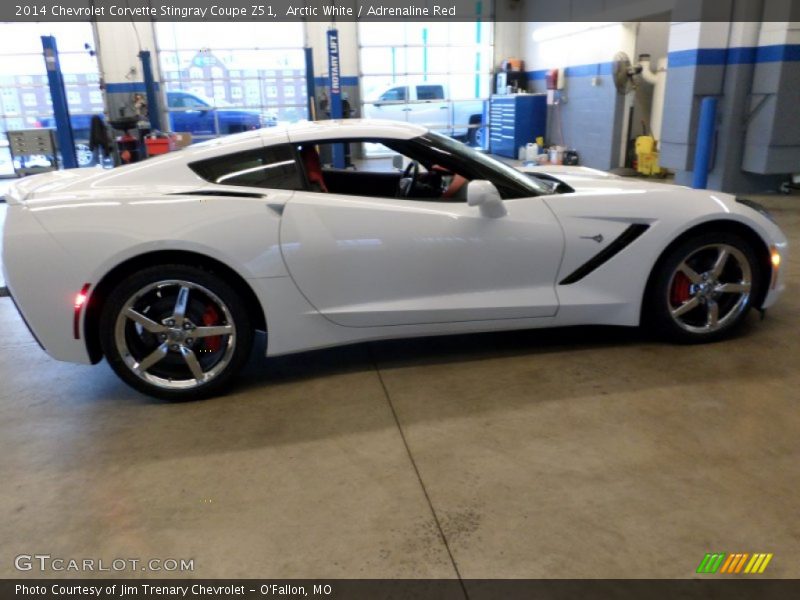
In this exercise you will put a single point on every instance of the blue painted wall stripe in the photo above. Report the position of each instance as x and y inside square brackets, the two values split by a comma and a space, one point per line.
[735, 56]
[697, 57]
[778, 53]
[589, 70]
[129, 87]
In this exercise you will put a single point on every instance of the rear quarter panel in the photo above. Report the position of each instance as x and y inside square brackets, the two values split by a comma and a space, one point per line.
[53, 248]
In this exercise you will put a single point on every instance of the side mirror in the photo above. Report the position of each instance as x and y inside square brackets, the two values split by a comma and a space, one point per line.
[397, 162]
[484, 195]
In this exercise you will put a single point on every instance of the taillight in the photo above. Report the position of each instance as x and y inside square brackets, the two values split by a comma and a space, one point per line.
[80, 301]
[775, 259]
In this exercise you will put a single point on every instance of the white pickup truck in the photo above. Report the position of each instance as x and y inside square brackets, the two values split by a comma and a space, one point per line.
[428, 104]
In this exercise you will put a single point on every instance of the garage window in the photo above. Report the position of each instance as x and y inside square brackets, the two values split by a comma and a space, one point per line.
[274, 167]
[447, 64]
[24, 93]
[223, 78]
[397, 94]
[430, 92]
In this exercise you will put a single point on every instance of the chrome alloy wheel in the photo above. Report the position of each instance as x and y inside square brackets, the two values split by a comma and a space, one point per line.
[710, 288]
[175, 334]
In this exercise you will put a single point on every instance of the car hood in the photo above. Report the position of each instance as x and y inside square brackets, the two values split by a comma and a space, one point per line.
[586, 181]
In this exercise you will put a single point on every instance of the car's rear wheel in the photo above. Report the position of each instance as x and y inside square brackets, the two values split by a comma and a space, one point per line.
[705, 287]
[175, 332]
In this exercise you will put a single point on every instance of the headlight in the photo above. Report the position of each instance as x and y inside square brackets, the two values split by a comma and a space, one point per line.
[756, 207]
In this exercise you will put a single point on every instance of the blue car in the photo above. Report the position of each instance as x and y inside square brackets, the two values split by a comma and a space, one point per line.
[188, 112]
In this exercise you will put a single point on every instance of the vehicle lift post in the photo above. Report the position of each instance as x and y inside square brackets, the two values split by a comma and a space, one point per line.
[153, 114]
[335, 85]
[55, 80]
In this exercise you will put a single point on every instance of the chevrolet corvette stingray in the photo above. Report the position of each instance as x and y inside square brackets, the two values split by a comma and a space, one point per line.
[167, 267]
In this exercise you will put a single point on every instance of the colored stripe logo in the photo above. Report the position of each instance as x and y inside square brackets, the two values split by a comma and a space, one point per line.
[733, 563]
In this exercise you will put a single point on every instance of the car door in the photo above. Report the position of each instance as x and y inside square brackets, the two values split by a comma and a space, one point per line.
[363, 261]
[190, 114]
[430, 109]
[392, 105]
[178, 119]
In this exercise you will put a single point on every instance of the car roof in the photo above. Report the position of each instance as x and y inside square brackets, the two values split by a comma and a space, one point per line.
[303, 131]
[351, 128]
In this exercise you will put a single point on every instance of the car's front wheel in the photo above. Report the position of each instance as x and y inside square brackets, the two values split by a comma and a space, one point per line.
[705, 287]
[175, 332]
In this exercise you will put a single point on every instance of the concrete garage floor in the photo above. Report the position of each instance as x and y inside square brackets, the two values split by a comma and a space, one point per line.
[592, 452]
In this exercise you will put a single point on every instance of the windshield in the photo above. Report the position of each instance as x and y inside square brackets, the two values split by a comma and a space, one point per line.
[534, 187]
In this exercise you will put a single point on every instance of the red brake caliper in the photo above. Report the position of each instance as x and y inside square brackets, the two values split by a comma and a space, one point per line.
[210, 317]
[680, 289]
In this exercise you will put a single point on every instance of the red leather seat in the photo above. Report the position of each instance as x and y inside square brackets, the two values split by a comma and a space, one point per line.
[313, 167]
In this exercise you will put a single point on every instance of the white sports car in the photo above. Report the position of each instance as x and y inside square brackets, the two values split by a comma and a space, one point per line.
[168, 266]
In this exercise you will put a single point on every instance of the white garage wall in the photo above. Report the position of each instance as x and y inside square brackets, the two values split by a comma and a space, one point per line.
[575, 44]
[592, 119]
[118, 49]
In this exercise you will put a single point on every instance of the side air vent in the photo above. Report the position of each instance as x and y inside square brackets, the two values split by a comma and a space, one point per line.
[225, 193]
[606, 254]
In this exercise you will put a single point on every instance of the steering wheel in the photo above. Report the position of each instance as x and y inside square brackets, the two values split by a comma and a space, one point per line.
[412, 170]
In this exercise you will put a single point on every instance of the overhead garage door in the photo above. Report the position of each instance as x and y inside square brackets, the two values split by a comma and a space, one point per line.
[222, 78]
[24, 94]
[433, 74]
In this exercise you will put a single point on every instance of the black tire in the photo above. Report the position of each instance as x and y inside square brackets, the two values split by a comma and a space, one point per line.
[206, 292]
[480, 134]
[668, 294]
[473, 137]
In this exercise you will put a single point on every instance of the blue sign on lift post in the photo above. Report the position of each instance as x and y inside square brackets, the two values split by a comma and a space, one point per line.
[55, 80]
[335, 85]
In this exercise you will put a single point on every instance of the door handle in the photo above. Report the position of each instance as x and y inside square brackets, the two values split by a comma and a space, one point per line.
[442, 108]
[276, 208]
[406, 109]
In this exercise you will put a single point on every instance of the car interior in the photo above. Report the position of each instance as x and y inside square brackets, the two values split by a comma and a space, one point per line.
[421, 178]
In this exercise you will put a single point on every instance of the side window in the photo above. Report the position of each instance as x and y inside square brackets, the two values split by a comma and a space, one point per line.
[192, 102]
[430, 92]
[174, 100]
[273, 167]
[390, 168]
[397, 94]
